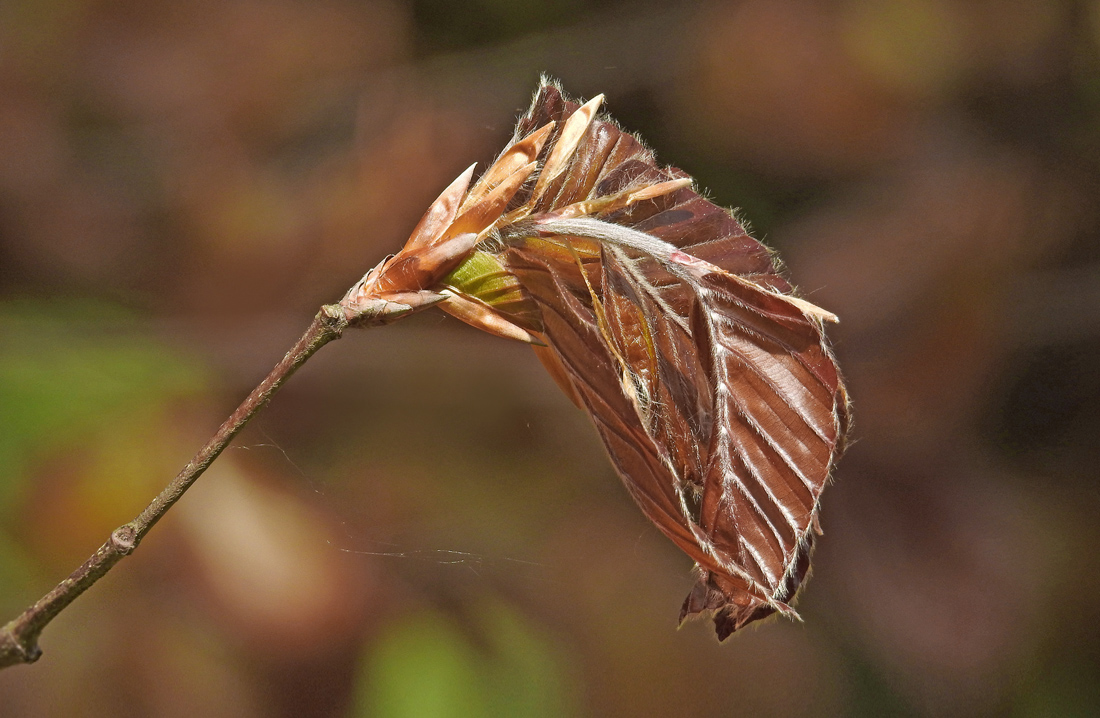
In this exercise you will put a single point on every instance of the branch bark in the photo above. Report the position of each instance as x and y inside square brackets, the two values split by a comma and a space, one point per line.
[19, 638]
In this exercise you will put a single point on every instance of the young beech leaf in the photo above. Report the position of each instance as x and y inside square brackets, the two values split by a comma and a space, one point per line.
[712, 386]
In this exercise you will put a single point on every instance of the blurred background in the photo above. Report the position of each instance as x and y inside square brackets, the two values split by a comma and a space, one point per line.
[421, 524]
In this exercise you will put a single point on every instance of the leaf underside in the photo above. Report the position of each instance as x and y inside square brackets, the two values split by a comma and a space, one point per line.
[716, 396]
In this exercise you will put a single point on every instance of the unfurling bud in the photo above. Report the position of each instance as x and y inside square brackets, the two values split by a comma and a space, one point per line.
[711, 384]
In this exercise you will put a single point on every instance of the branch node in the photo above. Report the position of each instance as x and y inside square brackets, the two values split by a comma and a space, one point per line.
[30, 653]
[334, 320]
[16, 649]
[124, 540]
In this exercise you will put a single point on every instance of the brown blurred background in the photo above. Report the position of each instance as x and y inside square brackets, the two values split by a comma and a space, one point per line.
[420, 524]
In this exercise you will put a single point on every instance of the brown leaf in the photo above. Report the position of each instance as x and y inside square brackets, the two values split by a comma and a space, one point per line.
[711, 385]
[715, 394]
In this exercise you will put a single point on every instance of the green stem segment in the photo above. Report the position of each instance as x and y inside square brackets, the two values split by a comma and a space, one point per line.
[19, 638]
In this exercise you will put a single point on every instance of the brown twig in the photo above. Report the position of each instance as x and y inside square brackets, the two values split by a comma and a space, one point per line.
[19, 638]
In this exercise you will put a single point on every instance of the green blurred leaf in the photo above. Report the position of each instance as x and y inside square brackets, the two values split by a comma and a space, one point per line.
[424, 666]
[1067, 688]
[15, 572]
[68, 368]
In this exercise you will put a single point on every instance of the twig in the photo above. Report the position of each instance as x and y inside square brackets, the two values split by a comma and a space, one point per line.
[19, 638]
